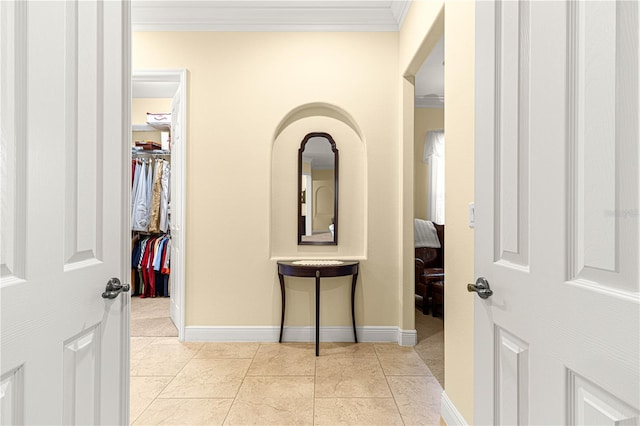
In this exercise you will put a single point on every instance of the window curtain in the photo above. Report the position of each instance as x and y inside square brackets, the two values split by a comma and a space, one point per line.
[434, 157]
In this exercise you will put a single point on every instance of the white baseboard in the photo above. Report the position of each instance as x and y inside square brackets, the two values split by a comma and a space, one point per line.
[407, 337]
[298, 334]
[231, 334]
[450, 413]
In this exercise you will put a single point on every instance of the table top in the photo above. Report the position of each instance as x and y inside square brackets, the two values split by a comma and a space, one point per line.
[297, 269]
[320, 263]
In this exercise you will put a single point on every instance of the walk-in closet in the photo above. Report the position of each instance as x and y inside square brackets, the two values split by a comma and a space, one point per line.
[157, 200]
[150, 207]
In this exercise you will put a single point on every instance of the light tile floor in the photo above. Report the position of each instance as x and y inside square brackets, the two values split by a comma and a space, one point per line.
[430, 345]
[278, 384]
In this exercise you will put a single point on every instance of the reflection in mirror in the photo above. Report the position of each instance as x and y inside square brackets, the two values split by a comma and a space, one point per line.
[318, 190]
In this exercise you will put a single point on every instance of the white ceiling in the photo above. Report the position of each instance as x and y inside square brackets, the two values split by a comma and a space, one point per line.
[289, 15]
[429, 86]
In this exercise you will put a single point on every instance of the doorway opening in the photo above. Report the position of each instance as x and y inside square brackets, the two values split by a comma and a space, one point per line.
[428, 202]
[158, 202]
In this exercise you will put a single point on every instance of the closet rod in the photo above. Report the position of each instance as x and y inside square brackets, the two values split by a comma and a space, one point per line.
[147, 154]
[149, 233]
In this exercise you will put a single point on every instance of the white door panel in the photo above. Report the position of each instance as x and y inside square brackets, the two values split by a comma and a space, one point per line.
[557, 213]
[176, 213]
[178, 197]
[13, 40]
[65, 94]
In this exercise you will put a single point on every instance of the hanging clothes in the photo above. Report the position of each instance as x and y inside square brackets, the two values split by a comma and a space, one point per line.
[166, 259]
[150, 259]
[149, 192]
[154, 222]
[139, 202]
[136, 262]
[161, 280]
[150, 196]
[133, 173]
[164, 196]
[134, 244]
[150, 221]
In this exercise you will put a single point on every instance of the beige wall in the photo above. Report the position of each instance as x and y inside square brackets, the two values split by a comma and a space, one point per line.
[139, 109]
[425, 120]
[244, 90]
[242, 167]
[423, 26]
[141, 106]
[459, 190]
[423, 18]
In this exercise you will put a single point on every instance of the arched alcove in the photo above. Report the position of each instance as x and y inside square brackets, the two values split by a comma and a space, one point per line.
[318, 117]
[318, 109]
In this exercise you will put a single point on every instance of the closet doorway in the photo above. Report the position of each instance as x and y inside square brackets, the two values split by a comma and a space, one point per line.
[158, 148]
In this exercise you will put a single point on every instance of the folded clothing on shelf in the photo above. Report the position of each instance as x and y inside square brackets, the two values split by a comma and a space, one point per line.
[158, 118]
[148, 144]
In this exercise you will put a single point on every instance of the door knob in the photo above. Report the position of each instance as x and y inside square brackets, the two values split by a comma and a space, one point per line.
[481, 287]
[114, 288]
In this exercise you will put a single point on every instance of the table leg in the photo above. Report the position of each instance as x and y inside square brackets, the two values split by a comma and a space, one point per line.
[353, 311]
[281, 277]
[317, 312]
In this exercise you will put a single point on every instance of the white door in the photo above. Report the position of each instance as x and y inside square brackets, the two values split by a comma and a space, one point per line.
[176, 278]
[557, 213]
[65, 98]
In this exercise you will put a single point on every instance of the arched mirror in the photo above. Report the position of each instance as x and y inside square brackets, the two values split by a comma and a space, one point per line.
[318, 190]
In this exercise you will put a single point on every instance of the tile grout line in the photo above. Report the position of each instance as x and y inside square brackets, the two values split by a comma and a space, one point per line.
[156, 338]
[355, 397]
[233, 402]
[386, 379]
[150, 402]
[168, 383]
[393, 395]
[197, 397]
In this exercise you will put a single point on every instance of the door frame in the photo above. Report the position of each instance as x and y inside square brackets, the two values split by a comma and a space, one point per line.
[178, 171]
[408, 335]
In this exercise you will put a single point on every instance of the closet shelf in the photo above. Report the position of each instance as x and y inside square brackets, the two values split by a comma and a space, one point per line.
[150, 127]
[139, 153]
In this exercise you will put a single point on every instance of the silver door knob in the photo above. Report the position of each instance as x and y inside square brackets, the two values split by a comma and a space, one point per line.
[114, 288]
[481, 287]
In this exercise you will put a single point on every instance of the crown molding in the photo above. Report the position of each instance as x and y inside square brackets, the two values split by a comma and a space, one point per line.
[400, 10]
[429, 101]
[268, 15]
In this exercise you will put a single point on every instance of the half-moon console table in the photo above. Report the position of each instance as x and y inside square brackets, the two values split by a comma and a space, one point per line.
[319, 269]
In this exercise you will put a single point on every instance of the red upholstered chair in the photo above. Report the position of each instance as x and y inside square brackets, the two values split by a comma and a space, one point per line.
[429, 264]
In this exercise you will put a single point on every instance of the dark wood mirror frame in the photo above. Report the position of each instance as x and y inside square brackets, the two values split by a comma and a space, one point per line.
[300, 225]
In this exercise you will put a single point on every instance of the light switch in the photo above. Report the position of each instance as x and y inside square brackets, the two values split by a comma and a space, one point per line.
[472, 215]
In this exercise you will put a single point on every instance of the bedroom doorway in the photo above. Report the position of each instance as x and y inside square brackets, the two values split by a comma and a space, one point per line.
[428, 203]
